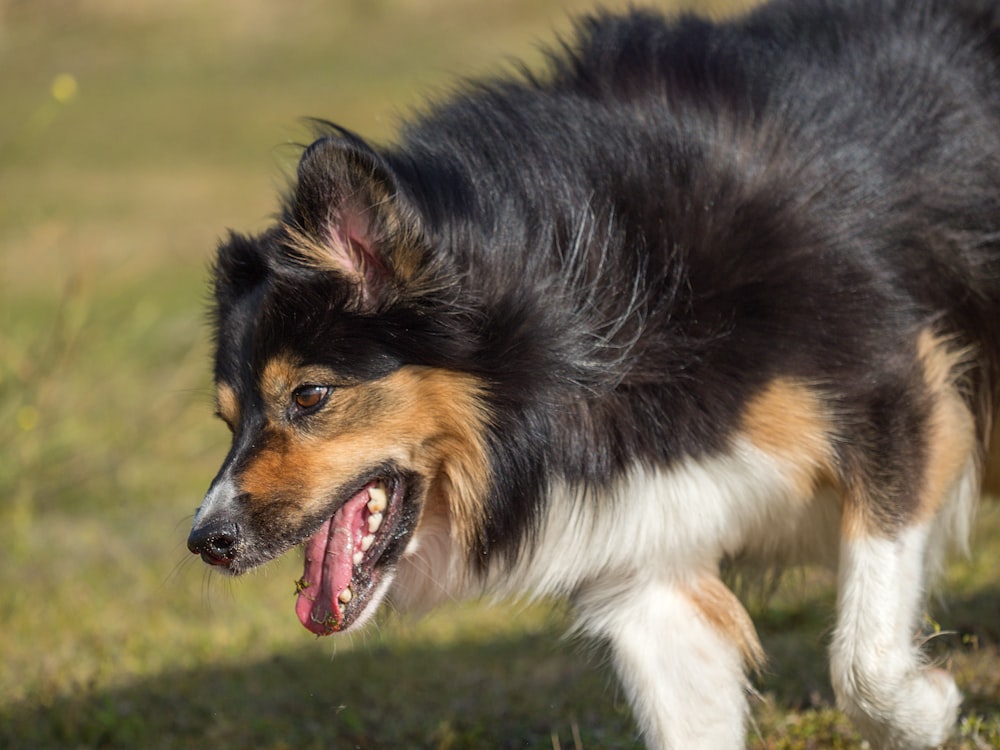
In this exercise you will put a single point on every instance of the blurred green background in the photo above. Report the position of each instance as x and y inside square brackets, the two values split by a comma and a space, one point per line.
[132, 135]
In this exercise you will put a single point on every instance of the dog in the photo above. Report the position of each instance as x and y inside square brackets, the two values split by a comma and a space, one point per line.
[698, 294]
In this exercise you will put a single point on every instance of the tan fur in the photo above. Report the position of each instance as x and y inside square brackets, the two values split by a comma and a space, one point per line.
[724, 612]
[280, 475]
[227, 405]
[316, 254]
[279, 377]
[951, 442]
[341, 255]
[426, 420]
[789, 421]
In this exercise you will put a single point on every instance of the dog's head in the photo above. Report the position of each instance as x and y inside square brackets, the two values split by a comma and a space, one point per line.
[352, 429]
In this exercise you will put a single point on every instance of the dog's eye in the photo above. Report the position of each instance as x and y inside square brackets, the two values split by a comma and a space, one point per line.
[310, 397]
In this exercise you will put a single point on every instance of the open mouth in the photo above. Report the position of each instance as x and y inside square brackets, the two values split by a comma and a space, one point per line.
[347, 557]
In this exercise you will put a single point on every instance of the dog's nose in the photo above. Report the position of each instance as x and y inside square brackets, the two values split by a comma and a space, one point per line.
[216, 542]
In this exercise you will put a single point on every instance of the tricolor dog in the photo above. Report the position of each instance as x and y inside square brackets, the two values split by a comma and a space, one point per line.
[695, 295]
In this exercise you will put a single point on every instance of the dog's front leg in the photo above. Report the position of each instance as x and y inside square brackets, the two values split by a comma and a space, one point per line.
[680, 649]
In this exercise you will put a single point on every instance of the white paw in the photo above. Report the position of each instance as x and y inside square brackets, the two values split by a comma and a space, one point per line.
[920, 713]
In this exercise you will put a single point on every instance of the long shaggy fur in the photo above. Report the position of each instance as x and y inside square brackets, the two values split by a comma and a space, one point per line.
[696, 294]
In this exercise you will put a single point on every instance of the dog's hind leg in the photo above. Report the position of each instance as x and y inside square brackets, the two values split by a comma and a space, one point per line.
[879, 675]
[680, 651]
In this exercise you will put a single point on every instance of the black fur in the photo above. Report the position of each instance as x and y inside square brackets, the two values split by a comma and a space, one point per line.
[768, 196]
[629, 246]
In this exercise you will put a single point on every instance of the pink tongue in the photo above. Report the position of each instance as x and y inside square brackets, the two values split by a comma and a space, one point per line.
[329, 566]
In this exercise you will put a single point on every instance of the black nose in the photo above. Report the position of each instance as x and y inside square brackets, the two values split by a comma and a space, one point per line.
[216, 542]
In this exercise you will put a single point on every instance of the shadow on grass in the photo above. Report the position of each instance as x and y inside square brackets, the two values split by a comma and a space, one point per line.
[970, 647]
[498, 694]
[503, 693]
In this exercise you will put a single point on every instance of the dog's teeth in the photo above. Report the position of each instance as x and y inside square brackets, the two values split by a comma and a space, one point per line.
[378, 501]
[346, 595]
[374, 521]
[367, 541]
[358, 557]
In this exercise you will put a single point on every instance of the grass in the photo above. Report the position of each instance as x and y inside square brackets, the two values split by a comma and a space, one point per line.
[132, 136]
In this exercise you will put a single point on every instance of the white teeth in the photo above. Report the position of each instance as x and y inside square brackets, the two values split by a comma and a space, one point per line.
[346, 595]
[378, 501]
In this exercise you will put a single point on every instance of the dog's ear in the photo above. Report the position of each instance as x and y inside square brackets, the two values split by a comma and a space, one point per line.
[347, 217]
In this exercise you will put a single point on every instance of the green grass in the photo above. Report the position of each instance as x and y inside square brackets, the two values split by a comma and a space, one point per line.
[112, 197]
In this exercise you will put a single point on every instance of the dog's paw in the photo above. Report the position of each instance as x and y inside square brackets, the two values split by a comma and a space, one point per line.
[940, 699]
[920, 713]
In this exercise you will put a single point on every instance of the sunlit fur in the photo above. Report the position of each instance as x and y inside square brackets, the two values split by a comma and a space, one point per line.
[696, 296]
